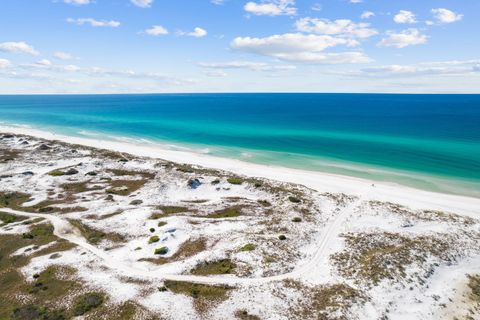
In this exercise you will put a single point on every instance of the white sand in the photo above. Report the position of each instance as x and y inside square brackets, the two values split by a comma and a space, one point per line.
[322, 182]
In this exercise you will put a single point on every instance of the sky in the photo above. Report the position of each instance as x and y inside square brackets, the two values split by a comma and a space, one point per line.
[177, 46]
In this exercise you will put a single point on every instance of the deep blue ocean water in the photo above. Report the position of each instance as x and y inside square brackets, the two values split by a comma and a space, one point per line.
[426, 141]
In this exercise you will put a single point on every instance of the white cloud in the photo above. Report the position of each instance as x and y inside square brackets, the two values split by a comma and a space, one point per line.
[44, 62]
[218, 2]
[356, 1]
[217, 74]
[422, 69]
[156, 31]
[142, 3]
[249, 65]
[367, 15]
[443, 15]
[403, 38]
[4, 63]
[94, 23]
[63, 55]
[404, 16]
[77, 2]
[300, 48]
[197, 33]
[18, 47]
[271, 8]
[338, 27]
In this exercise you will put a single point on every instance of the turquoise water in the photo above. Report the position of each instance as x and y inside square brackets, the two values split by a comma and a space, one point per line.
[425, 141]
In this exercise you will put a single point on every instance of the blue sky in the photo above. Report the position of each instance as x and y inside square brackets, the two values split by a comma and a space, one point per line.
[119, 46]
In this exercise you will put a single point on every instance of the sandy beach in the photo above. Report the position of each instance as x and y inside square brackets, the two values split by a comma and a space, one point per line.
[316, 180]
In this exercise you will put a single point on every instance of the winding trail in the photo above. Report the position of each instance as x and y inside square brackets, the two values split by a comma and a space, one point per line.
[64, 230]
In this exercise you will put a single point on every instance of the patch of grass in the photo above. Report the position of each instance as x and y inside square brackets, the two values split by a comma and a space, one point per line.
[34, 312]
[95, 236]
[162, 224]
[13, 200]
[325, 302]
[235, 180]
[7, 218]
[226, 213]
[122, 172]
[169, 210]
[18, 300]
[87, 302]
[125, 187]
[49, 287]
[79, 187]
[153, 239]
[373, 257]
[248, 247]
[185, 168]
[225, 266]
[204, 295]
[44, 232]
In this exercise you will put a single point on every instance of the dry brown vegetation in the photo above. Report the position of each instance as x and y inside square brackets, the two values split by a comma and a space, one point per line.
[125, 187]
[203, 295]
[327, 302]
[225, 266]
[373, 257]
[95, 236]
[422, 215]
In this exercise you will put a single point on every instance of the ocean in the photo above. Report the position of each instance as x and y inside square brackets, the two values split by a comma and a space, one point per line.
[430, 142]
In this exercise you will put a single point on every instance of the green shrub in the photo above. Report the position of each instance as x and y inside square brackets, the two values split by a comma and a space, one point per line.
[56, 173]
[153, 239]
[86, 303]
[248, 247]
[162, 223]
[161, 251]
[152, 230]
[236, 181]
[294, 199]
[297, 219]
[282, 237]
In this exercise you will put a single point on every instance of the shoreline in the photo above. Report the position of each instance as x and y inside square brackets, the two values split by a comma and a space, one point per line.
[320, 181]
